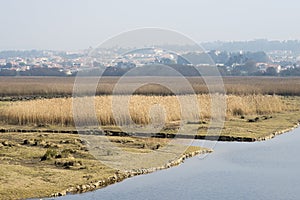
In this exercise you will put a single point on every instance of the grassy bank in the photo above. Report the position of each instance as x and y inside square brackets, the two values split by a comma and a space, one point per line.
[39, 165]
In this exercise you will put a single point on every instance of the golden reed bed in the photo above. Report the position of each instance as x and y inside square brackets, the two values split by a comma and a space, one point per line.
[59, 111]
[53, 86]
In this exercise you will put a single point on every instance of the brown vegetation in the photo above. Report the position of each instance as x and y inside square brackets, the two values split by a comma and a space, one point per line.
[59, 111]
[63, 86]
[37, 165]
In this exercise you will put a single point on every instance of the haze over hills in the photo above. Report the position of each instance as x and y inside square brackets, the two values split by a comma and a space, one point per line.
[255, 58]
[254, 45]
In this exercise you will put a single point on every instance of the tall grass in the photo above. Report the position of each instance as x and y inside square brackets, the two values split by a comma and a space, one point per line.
[142, 109]
[63, 86]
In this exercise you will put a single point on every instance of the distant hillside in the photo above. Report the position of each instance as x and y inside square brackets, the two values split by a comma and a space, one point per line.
[254, 45]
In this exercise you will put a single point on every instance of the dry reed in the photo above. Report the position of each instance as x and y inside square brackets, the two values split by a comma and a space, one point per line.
[143, 109]
[63, 86]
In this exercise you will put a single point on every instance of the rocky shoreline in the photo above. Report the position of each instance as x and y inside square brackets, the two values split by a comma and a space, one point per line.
[120, 176]
[272, 135]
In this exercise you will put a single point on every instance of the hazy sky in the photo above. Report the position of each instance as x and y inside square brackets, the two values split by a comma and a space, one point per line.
[78, 24]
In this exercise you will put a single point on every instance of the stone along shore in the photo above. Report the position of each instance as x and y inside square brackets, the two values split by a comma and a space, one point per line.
[120, 176]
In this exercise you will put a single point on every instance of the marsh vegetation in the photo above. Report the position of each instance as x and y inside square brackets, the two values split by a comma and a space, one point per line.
[40, 163]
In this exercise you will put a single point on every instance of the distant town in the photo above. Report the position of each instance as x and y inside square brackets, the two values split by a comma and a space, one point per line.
[252, 58]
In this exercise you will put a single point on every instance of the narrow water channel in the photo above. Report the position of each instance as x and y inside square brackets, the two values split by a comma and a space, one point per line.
[261, 170]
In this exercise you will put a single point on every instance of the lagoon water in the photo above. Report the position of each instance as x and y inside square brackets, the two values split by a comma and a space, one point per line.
[261, 170]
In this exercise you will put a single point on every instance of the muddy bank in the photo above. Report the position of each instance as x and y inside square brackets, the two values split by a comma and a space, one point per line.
[32, 97]
[223, 138]
[123, 134]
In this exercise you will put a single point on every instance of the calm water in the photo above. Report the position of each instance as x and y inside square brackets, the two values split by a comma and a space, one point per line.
[264, 170]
